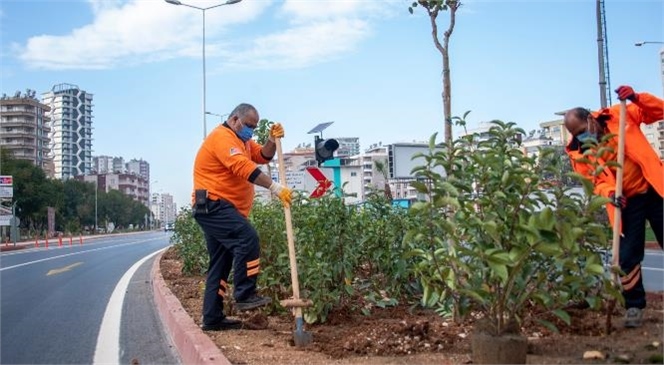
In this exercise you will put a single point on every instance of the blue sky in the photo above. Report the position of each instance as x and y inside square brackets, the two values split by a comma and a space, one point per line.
[369, 66]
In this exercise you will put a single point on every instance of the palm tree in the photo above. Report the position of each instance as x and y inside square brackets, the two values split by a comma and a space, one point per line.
[382, 168]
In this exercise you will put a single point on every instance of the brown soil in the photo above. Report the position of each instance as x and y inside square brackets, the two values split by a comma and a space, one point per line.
[401, 336]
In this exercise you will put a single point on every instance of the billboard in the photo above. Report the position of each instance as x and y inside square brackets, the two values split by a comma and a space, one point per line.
[6, 186]
[400, 159]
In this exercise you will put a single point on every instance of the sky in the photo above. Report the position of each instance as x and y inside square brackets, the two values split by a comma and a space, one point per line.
[368, 65]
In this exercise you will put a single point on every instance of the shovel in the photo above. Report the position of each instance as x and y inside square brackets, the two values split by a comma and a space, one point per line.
[300, 337]
[617, 215]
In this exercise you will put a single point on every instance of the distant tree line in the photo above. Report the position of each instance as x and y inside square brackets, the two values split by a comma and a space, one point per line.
[73, 201]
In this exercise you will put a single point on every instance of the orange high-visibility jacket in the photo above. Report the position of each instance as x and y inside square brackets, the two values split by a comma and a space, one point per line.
[223, 166]
[648, 109]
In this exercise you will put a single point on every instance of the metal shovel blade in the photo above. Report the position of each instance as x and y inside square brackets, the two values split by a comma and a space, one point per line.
[302, 339]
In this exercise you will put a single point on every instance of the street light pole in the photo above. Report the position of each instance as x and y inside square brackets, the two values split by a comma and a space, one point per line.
[228, 2]
[221, 116]
[96, 189]
[204, 82]
[639, 44]
[14, 226]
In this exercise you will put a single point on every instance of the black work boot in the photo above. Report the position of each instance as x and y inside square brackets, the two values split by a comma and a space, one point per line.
[252, 302]
[224, 324]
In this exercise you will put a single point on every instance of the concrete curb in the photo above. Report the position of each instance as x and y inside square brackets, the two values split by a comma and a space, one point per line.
[192, 345]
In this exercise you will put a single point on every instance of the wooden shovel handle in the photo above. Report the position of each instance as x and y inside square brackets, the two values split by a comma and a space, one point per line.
[289, 231]
[617, 215]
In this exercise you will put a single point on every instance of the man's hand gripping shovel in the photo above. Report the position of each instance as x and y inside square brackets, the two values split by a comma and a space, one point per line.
[300, 337]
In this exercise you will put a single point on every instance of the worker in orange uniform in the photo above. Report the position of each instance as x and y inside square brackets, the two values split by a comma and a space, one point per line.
[643, 182]
[225, 172]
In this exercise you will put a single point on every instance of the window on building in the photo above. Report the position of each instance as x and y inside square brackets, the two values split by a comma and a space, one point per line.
[353, 174]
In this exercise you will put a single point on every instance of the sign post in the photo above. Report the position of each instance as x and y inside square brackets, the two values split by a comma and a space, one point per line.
[7, 214]
[323, 182]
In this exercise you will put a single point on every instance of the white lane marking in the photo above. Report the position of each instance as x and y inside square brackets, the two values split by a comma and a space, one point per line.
[654, 253]
[76, 253]
[108, 341]
[652, 268]
[95, 241]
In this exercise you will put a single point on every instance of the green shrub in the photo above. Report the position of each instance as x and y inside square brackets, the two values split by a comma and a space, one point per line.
[491, 239]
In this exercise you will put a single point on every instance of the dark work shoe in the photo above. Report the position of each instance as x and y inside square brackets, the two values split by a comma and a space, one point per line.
[225, 324]
[252, 302]
[633, 318]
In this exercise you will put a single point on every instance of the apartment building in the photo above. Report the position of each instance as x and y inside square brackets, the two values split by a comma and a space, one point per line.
[70, 114]
[24, 129]
[139, 167]
[163, 208]
[131, 185]
[348, 146]
[555, 131]
[372, 178]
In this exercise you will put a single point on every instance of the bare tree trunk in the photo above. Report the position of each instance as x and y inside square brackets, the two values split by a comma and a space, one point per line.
[443, 49]
[447, 97]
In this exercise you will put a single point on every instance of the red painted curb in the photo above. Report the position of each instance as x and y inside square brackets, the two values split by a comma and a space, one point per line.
[652, 245]
[193, 346]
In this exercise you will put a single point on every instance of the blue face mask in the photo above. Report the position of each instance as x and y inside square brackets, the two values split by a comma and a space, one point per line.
[585, 136]
[245, 133]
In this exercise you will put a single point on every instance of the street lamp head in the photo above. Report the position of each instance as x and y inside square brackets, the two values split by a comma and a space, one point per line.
[174, 2]
[231, 2]
[639, 44]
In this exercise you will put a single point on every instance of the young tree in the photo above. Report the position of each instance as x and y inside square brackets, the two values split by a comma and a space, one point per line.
[433, 9]
[262, 133]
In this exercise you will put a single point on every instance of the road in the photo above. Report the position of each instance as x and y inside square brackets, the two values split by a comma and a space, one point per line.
[83, 304]
[652, 269]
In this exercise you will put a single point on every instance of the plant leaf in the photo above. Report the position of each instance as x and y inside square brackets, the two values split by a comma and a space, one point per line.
[563, 315]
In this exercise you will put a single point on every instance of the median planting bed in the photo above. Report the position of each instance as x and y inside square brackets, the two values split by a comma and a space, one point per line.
[493, 251]
[399, 336]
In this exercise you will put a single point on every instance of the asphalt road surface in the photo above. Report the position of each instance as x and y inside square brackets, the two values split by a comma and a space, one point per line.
[83, 304]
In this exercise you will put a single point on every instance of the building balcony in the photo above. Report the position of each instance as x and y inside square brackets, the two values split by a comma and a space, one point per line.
[19, 134]
[18, 113]
[17, 122]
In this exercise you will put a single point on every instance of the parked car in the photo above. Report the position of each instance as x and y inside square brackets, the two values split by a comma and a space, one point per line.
[169, 227]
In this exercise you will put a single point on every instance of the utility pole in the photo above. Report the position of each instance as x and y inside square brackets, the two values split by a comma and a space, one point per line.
[602, 56]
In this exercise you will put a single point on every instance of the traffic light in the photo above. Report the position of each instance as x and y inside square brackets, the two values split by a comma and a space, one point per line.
[325, 149]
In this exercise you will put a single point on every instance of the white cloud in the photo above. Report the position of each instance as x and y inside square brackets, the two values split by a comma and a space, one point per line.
[302, 45]
[127, 32]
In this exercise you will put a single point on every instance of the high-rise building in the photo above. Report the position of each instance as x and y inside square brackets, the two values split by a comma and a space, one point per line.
[24, 129]
[71, 130]
[139, 167]
[102, 164]
[119, 166]
[163, 208]
[348, 146]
